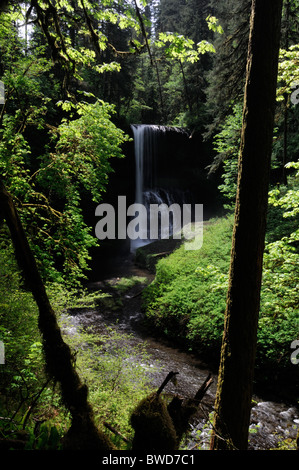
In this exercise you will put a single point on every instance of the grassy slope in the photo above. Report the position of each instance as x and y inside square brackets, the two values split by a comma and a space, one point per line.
[186, 301]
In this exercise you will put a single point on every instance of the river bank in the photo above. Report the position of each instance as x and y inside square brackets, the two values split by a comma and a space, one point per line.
[272, 421]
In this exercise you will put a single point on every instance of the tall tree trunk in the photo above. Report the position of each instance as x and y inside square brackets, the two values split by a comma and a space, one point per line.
[234, 390]
[286, 99]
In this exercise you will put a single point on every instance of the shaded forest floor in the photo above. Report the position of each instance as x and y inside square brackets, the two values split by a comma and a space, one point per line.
[272, 421]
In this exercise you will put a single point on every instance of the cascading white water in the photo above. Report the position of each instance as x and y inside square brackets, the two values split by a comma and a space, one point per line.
[146, 146]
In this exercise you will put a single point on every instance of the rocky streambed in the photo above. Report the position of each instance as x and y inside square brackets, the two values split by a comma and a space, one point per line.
[271, 420]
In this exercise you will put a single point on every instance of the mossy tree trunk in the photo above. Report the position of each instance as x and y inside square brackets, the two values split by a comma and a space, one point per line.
[236, 372]
[83, 433]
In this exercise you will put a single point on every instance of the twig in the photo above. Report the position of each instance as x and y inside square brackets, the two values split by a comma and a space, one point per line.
[203, 389]
[115, 431]
[165, 382]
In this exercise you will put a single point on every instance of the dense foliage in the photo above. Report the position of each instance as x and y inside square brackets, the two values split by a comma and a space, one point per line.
[53, 153]
[187, 299]
[29, 397]
[76, 75]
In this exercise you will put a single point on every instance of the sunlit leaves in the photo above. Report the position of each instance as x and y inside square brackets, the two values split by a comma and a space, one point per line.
[177, 46]
[205, 46]
[281, 258]
[47, 177]
[288, 199]
[110, 67]
[80, 161]
[227, 144]
[288, 77]
[76, 32]
[213, 25]
[85, 146]
[65, 4]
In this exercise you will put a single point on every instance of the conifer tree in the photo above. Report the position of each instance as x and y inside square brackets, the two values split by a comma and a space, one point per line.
[236, 373]
[226, 78]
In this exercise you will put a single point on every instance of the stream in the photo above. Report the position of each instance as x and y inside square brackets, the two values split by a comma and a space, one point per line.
[271, 421]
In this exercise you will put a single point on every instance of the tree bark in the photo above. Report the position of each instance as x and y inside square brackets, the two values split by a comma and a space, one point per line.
[236, 371]
[286, 101]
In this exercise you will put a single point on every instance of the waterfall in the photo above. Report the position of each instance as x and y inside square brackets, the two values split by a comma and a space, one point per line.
[145, 146]
[147, 191]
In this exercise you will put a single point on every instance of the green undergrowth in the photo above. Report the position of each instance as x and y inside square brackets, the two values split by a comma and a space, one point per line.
[32, 413]
[117, 372]
[187, 299]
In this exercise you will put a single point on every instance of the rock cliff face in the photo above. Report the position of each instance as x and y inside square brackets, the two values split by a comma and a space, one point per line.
[161, 165]
[170, 160]
[174, 161]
